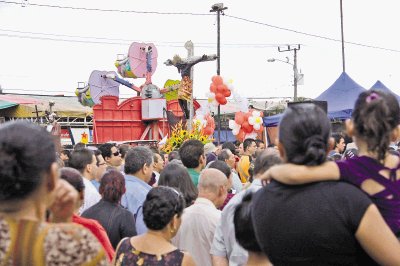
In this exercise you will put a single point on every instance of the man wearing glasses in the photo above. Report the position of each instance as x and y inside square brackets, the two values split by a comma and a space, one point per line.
[111, 155]
[101, 169]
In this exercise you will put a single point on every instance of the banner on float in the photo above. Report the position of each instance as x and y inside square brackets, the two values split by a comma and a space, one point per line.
[83, 135]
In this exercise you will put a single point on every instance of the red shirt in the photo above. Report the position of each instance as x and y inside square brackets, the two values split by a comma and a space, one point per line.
[98, 231]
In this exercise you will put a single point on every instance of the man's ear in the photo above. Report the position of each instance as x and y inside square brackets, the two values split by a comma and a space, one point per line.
[349, 127]
[52, 177]
[107, 159]
[331, 144]
[202, 159]
[89, 168]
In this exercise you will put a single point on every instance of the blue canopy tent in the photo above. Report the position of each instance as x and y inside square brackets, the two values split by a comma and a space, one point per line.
[226, 136]
[341, 96]
[381, 87]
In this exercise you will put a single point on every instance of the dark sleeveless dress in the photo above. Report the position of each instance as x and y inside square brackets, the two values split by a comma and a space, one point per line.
[127, 255]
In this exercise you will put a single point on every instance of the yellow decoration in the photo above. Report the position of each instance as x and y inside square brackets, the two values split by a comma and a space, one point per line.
[180, 134]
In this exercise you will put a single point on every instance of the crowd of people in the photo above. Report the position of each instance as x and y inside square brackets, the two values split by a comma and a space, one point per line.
[314, 198]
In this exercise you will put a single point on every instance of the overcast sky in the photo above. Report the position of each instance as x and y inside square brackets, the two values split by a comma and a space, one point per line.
[65, 45]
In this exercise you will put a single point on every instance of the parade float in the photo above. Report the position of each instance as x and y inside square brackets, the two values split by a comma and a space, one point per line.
[154, 112]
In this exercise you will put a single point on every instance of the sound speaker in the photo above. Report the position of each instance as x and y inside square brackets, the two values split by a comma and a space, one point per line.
[322, 104]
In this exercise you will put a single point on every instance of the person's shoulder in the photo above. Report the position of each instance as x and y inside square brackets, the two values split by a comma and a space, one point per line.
[92, 210]
[72, 244]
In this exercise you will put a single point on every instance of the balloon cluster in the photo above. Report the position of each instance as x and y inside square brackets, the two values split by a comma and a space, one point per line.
[219, 90]
[204, 122]
[247, 125]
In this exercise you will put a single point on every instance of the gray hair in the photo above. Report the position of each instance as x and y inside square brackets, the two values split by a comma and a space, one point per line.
[224, 155]
[136, 158]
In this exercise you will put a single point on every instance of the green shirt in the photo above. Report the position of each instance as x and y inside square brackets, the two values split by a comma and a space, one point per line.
[194, 175]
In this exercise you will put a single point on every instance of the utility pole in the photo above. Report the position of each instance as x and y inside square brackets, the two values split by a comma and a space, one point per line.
[190, 49]
[218, 8]
[293, 48]
[341, 29]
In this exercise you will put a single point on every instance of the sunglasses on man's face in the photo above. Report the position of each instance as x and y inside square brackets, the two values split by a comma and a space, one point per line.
[116, 153]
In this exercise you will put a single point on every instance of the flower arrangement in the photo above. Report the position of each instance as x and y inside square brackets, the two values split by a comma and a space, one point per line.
[179, 134]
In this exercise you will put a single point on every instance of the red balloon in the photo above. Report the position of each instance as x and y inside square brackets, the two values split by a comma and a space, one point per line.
[224, 101]
[208, 131]
[246, 116]
[239, 118]
[213, 88]
[227, 93]
[221, 88]
[220, 98]
[210, 121]
[217, 80]
[247, 127]
[240, 135]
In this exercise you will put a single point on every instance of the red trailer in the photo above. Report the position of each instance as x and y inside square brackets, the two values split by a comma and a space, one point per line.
[133, 119]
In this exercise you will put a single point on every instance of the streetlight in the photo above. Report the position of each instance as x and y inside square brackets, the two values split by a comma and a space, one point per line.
[295, 72]
[219, 9]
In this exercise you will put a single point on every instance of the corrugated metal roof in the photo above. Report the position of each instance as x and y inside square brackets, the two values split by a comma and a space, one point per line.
[64, 106]
[6, 104]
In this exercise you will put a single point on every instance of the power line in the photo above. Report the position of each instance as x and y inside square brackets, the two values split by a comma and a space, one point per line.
[311, 35]
[110, 10]
[204, 14]
[93, 39]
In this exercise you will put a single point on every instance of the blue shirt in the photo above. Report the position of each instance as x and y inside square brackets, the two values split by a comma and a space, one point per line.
[135, 195]
[96, 184]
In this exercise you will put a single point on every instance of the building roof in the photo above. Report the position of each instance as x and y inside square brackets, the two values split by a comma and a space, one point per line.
[22, 106]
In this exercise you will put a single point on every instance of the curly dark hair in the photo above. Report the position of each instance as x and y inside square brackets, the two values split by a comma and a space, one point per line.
[160, 206]
[175, 175]
[27, 152]
[190, 153]
[375, 115]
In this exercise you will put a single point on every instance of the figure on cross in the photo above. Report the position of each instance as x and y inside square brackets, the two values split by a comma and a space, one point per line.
[184, 67]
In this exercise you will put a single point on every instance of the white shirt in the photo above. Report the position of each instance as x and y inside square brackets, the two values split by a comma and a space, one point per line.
[224, 243]
[92, 196]
[197, 230]
[156, 175]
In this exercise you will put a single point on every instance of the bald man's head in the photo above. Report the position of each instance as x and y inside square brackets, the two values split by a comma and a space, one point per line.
[211, 179]
[213, 186]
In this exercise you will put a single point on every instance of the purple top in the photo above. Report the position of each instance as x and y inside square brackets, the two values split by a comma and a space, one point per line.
[359, 169]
